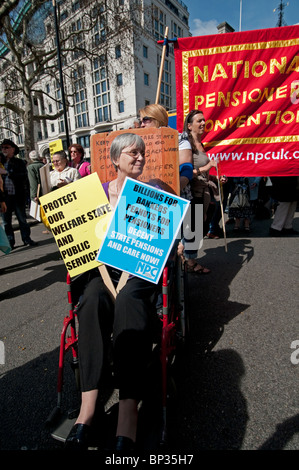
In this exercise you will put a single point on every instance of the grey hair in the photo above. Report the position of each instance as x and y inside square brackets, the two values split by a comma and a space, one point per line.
[130, 123]
[61, 154]
[122, 141]
[33, 155]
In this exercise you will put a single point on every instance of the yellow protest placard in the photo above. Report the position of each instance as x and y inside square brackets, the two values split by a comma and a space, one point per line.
[55, 146]
[78, 215]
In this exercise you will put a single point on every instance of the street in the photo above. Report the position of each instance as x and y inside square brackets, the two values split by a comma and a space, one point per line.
[237, 384]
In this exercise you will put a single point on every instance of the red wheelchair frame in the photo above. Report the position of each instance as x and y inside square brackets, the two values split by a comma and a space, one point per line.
[174, 330]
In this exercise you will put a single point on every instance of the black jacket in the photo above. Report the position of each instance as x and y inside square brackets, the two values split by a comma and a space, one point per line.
[17, 172]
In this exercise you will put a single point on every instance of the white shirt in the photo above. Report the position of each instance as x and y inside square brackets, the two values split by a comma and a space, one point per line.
[68, 174]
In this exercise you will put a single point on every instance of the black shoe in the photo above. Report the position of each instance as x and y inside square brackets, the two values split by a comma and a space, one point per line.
[212, 235]
[275, 233]
[78, 437]
[30, 243]
[124, 445]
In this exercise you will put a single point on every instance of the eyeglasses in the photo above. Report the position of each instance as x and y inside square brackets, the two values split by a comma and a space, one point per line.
[145, 119]
[74, 151]
[134, 154]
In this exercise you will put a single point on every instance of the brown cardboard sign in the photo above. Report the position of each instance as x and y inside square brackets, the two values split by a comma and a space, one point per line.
[161, 153]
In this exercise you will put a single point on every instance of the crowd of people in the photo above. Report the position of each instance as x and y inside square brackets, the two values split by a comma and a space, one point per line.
[20, 183]
[131, 319]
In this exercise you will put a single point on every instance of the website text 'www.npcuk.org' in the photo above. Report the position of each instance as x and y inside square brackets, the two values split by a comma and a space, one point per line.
[255, 157]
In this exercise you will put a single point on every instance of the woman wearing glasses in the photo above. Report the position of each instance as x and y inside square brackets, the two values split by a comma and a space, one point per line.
[76, 152]
[62, 174]
[134, 317]
[153, 115]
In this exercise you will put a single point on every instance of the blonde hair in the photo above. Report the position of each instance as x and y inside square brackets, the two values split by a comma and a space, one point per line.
[157, 112]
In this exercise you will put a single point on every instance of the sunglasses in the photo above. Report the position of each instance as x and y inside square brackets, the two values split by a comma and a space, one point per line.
[146, 119]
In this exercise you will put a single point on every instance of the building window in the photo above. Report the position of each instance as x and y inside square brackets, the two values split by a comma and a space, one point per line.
[84, 140]
[159, 23]
[119, 79]
[145, 52]
[101, 90]
[165, 91]
[121, 107]
[117, 52]
[76, 5]
[58, 97]
[146, 79]
[63, 15]
[99, 32]
[81, 106]
[78, 39]
[52, 128]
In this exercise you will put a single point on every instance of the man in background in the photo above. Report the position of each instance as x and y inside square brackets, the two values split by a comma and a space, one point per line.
[15, 189]
[33, 175]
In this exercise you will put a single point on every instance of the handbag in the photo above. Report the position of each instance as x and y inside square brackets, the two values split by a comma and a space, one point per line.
[240, 198]
[4, 242]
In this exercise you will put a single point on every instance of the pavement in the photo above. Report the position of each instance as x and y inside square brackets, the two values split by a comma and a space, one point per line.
[237, 382]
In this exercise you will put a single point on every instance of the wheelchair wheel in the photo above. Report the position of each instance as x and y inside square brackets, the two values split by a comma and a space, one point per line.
[183, 302]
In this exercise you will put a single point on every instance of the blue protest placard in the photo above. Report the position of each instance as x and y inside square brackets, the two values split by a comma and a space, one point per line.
[141, 232]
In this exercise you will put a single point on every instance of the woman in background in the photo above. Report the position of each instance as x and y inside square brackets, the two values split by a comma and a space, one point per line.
[200, 185]
[62, 173]
[76, 152]
[153, 115]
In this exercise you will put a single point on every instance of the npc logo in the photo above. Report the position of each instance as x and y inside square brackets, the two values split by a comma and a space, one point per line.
[146, 270]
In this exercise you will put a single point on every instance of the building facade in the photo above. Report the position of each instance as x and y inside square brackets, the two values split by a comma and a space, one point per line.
[110, 63]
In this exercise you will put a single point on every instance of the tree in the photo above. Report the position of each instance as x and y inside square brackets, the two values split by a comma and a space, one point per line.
[6, 7]
[29, 53]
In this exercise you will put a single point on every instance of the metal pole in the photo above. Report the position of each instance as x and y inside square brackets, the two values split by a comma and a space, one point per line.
[240, 25]
[161, 68]
[61, 75]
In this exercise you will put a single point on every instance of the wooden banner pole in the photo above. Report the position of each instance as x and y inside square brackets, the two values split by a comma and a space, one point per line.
[161, 67]
[37, 203]
[221, 206]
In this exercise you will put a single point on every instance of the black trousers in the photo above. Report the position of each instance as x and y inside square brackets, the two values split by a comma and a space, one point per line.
[95, 315]
[19, 208]
[135, 325]
[135, 322]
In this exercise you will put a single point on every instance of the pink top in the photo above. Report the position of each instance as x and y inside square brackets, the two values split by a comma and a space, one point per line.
[84, 168]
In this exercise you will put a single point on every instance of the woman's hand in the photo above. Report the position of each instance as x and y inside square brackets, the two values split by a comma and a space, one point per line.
[180, 250]
[3, 207]
[61, 183]
[213, 163]
[223, 179]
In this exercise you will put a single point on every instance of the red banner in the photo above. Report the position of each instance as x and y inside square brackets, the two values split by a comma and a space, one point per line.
[247, 86]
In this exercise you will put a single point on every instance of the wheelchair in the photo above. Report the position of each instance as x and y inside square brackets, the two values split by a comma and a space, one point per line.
[172, 312]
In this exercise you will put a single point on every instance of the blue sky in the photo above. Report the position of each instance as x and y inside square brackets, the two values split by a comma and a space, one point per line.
[206, 15]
